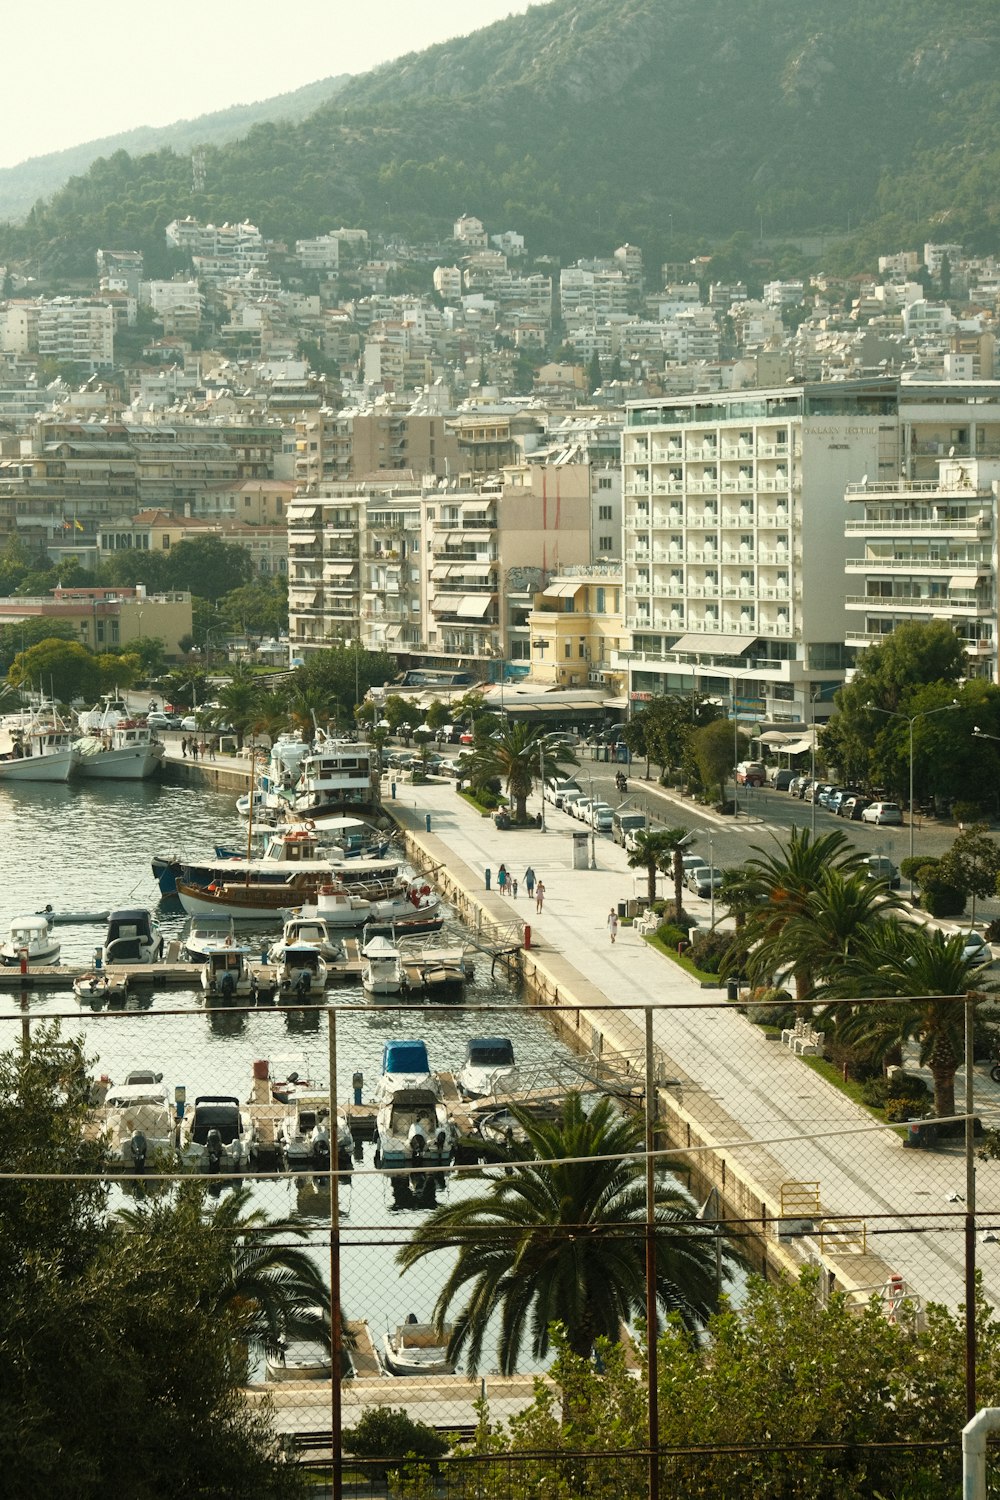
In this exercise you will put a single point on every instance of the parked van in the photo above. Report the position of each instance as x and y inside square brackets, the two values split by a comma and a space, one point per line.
[626, 822]
[781, 780]
[557, 786]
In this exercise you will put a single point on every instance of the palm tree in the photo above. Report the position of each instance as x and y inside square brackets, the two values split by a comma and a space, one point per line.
[270, 1291]
[829, 926]
[519, 755]
[781, 883]
[658, 850]
[241, 703]
[560, 1241]
[927, 971]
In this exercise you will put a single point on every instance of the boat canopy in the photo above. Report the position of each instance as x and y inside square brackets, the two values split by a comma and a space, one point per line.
[405, 1057]
[490, 1052]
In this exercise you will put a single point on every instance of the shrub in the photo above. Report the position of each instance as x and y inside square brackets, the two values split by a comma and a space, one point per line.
[939, 898]
[907, 1086]
[386, 1433]
[770, 1007]
[897, 1110]
[967, 812]
[875, 1093]
[714, 951]
[910, 868]
[670, 934]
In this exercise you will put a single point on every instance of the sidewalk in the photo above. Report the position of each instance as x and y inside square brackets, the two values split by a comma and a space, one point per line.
[772, 1098]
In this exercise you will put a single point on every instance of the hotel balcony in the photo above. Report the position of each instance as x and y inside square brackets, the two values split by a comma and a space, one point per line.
[922, 604]
[974, 568]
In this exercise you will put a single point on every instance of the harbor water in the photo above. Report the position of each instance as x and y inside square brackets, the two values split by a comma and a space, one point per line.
[87, 848]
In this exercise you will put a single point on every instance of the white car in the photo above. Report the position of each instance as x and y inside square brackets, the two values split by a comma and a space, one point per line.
[600, 816]
[882, 812]
[580, 808]
[975, 949]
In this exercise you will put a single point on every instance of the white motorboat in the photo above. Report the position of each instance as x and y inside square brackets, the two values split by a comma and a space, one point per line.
[205, 935]
[306, 1355]
[30, 939]
[488, 1067]
[405, 1065]
[34, 747]
[114, 747]
[97, 987]
[139, 1123]
[226, 973]
[303, 1133]
[132, 937]
[287, 1072]
[434, 970]
[413, 1129]
[311, 931]
[418, 1349]
[337, 776]
[216, 1136]
[301, 970]
[382, 971]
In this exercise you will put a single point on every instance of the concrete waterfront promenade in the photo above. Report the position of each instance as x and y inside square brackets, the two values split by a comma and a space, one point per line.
[768, 1118]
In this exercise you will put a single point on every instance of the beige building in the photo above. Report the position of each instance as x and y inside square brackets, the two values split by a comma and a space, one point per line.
[106, 619]
[576, 629]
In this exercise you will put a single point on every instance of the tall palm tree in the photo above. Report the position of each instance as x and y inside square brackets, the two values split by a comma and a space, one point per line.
[658, 850]
[827, 928]
[560, 1240]
[519, 755]
[927, 972]
[241, 703]
[270, 1291]
[781, 882]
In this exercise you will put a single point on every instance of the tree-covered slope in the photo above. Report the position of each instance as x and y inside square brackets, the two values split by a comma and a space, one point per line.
[584, 123]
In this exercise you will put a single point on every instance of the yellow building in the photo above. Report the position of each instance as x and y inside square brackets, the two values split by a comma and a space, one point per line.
[575, 625]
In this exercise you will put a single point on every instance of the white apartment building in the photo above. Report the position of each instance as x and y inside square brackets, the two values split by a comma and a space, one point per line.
[178, 304]
[448, 282]
[926, 549]
[319, 254]
[77, 331]
[324, 599]
[734, 539]
[19, 327]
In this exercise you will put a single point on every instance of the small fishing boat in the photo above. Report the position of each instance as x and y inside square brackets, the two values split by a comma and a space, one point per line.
[301, 970]
[226, 973]
[488, 1067]
[287, 1072]
[114, 747]
[303, 1134]
[36, 746]
[413, 1128]
[205, 935]
[132, 937]
[382, 971]
[30, 940]
[139, 1123]
[97, 986]
[418, 1349]
[216, 1136]
[434, 971]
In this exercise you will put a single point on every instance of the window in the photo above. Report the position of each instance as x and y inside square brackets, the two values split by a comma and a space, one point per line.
[583, 649]
[605, 543]
[604, 482]
[604, 512]
[599, 606]
[568, 650]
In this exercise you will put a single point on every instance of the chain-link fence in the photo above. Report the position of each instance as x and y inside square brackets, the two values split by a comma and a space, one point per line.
[826, 1176]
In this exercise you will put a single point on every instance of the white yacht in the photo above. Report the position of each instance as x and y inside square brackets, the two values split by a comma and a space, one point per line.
[31, 938]
[114, 747]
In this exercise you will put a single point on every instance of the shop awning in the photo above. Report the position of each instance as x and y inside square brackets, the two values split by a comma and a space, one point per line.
[560, 590]
[964, 580]
[715, 645]
[474, 606]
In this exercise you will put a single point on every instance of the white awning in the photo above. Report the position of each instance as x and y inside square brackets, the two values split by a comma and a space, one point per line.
[560, 590]
[715, 645]
[392, 633]
[796, 747]
[338, 569]
[301, 513]
[476, 570]
[964, 580]
[301, 538]
[474, 606]
[446, 604]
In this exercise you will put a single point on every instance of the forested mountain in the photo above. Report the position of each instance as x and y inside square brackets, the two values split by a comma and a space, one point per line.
[585, 123]
[41, 176]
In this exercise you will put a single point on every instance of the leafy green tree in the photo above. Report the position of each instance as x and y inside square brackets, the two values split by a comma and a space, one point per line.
[552, 1242]
[66, 669]
[17, 638]
[187, 685]
[927, 971]
[209, 567]
[780, 883]
[257, 608]
[667, 724]
[972, 863]
[521, 754]
[713, 747]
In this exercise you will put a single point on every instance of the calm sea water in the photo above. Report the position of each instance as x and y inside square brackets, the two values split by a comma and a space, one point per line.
[86, 848]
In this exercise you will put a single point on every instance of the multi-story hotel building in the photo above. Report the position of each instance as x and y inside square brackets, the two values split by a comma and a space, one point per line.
[735, 543]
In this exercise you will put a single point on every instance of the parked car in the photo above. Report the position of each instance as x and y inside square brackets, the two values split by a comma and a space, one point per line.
[826, 796]
[556, 788]
[879, 867]
[626, 822]
[836, 799]
[466, 737]
[580, 807]
[797, 785]
[780, 778]
[161, 720]
[882, 812]
[976, 949]
[600, 817]
[820, 790]
[805, 791]
[569, 800]
[852, 808]
[703, 879]
[190, 722]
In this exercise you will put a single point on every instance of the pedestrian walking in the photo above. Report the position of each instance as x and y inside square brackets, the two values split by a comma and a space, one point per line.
[539, 895]
[184, 747]
[613, 924]
[513, 887]
[529, 881]
[502, 878]
[193, 747]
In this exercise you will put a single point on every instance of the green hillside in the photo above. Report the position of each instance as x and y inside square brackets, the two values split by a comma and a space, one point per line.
[41, 176]
[584, 123]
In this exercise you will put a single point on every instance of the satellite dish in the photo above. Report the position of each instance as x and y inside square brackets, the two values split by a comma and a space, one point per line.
[951, 451]
[864, 479]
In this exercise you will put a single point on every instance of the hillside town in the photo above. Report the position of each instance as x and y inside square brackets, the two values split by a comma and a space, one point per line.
[606, 478]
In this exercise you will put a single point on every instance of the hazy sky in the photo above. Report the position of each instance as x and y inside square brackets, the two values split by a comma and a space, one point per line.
[75, 72]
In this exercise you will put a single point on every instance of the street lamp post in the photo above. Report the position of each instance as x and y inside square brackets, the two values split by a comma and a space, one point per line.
[593, 830]
[911, 719]
[541, 781]
[711, 876]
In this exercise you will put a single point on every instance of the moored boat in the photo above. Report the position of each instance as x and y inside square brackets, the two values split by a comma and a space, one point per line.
[114, 747]
[414, 1348]
[139, 1123]
[413, 1128]
[30, 939]
[382, 971]
[405, 1064]
[132, 937]
[301, 970]
[488, 1067]
[226, 973]
[36, 747]
[215, 1136]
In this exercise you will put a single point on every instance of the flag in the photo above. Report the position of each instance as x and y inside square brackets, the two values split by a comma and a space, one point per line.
[65, 526]
[78, 525]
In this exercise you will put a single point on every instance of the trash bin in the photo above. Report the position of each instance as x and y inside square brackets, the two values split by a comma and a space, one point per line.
[732, 989]
[622, 909]
[489, 876]
[921, 1134]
